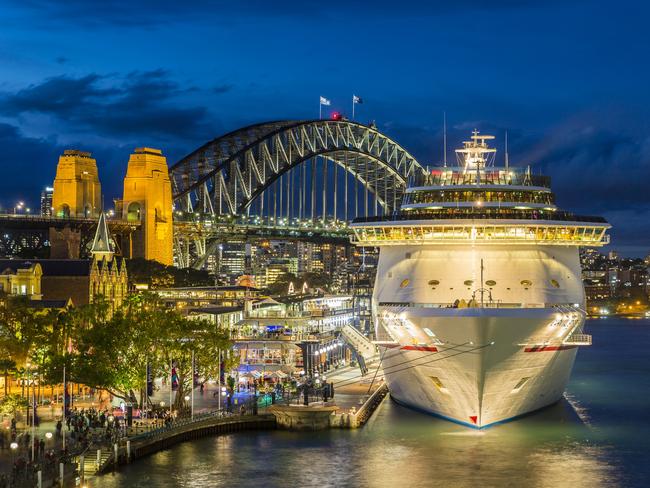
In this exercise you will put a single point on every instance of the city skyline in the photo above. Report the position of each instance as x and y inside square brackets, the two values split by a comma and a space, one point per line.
[114, 77]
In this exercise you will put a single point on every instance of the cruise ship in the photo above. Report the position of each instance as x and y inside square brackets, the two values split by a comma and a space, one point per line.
[478, 302]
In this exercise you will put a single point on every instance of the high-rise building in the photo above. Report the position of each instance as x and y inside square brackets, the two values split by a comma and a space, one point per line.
[46, 201]
[232, 260]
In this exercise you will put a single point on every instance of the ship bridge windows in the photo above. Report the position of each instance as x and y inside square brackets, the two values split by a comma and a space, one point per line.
[480, 196]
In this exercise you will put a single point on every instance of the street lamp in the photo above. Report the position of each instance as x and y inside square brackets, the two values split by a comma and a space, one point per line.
[13, 446]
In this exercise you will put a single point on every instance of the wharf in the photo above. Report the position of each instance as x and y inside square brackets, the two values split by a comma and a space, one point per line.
[356, 398]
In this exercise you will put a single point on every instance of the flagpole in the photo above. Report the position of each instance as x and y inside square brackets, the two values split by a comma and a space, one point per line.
[353, 104]
[320, 109]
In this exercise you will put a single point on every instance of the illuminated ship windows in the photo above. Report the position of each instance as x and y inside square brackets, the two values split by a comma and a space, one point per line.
[438, 384]
[526, 283]
[490, 282]
[404, 283]
[468, 282]
[520, 384]
[555, 284]
[434, 282]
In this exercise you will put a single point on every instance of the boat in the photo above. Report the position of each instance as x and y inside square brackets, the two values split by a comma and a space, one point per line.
[478, 302]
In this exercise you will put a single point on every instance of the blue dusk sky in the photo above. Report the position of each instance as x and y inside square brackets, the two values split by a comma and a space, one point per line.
[568, 80]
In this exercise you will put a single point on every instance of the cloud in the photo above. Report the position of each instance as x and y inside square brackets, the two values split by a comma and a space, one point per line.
[223, 88]
[140, 104]
[28, 164]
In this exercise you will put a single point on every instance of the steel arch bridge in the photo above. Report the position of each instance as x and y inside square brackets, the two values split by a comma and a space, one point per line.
[243, 173]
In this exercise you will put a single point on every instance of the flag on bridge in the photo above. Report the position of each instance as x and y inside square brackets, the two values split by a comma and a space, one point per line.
[355, 100]
[323, 101]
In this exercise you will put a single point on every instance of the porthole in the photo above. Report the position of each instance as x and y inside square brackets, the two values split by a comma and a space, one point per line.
[490, 282]
[468, 282]
[404, 283]
[434, 282]
[526, 283]
[555, 284]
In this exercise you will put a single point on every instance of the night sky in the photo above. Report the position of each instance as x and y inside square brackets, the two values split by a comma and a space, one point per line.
[568, 80]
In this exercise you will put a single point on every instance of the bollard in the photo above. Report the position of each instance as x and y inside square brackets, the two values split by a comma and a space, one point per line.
[99, 459]
[128, 451]
[61, 473]
[39, 478]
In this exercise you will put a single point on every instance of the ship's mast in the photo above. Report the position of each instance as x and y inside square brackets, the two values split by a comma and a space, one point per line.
[475, 155]
[444, 138]
[506, 159]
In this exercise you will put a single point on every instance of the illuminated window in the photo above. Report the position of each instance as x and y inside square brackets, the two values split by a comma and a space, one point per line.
[526, 283]
[404, 283]
[490, 282]
[434, 282]
[520, 384]
[468, 282]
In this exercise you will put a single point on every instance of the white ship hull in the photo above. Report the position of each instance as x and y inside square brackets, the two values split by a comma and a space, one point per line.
[478, 376]
[478, 365]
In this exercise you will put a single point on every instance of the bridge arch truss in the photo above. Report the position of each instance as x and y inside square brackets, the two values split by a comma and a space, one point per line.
[229, 176]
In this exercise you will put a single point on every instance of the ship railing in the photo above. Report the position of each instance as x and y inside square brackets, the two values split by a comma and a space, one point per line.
[493, 304]
[502, 214]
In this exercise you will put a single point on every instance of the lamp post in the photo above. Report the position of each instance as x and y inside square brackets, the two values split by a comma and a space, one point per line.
[13, 446]
[48, 436]
[187, 399]
[33, 416]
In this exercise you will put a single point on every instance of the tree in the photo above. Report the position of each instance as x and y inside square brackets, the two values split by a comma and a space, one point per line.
[7, 365]
[112, 353]
[157, 275]
[281, 285]
[12, 404]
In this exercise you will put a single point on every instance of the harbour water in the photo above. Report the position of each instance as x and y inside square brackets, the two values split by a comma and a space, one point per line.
[598, 436]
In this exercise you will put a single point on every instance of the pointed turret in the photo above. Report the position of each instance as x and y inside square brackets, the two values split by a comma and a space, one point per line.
[101, 247]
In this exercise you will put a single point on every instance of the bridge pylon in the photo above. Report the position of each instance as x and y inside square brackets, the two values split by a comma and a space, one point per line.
[147, 199]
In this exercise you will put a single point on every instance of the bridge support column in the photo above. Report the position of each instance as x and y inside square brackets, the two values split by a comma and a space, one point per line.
[65, 243]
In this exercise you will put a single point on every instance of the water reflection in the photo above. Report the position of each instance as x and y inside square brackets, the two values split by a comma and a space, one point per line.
[397, 448]
[597, 437]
